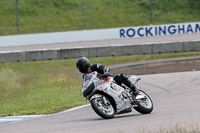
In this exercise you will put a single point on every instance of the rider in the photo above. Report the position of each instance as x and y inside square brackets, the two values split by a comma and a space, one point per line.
[85, 67]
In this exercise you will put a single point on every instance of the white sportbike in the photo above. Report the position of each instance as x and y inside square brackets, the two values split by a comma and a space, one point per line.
[107, 98]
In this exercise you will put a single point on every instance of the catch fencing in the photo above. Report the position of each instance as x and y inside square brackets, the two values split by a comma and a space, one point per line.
[42, 16]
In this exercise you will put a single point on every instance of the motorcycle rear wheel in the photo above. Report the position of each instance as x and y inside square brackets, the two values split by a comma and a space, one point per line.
[145, 105]
[105, 110]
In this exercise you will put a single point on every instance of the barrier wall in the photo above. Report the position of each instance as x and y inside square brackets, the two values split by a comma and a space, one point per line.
[117, 50]
[101, 34]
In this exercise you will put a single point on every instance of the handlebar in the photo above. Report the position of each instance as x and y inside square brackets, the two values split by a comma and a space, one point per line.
[104, 75]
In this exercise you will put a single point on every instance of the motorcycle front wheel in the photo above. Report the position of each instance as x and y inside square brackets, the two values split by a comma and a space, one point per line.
[144, 104]
[103, 107]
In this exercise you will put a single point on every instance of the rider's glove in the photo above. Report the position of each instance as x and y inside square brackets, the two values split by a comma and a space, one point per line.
[106, 70]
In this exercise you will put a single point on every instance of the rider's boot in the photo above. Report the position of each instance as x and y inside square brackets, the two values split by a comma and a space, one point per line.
[128, 83]
[134, 89]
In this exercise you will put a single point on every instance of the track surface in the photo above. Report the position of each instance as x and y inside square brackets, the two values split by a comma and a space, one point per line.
[176, 99]
[133, 41]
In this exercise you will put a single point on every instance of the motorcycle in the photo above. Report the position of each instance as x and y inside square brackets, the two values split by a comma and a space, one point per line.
[108, 99]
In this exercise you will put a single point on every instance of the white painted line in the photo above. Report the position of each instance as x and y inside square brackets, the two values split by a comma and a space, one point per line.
[17, 118]
[72, 109]
[3, 121]
[9, 119]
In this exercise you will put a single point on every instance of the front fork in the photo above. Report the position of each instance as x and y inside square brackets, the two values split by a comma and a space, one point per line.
[105, 101]
[99, 96]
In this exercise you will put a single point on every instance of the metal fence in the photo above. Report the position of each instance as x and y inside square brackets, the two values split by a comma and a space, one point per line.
[40, 16]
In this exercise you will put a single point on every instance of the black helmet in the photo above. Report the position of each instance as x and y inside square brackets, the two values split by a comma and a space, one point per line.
[82, 64]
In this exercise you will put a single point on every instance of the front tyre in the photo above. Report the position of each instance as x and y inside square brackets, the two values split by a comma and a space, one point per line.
[144, 103]
[103, 107]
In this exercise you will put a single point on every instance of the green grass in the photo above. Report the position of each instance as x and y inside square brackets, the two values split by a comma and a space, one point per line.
[39, 16]
[45, 87]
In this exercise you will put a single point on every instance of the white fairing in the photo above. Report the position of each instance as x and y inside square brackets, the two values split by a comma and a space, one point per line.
[117, 92]
[88, 79]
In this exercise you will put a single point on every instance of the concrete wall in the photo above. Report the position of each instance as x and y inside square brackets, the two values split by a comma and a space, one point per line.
[101, 34]
[117, 50]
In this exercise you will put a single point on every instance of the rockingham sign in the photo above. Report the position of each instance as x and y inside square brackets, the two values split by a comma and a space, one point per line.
[101, 34]
[159, 30]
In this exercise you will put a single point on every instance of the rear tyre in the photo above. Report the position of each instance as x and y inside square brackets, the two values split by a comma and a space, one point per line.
[105, 110]
[144, 105]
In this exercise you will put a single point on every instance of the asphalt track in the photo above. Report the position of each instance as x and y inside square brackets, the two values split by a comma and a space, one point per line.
[127, 41]
[176, 99]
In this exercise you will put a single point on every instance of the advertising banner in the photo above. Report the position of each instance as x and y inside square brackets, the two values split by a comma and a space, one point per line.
[159, 30]
[101, 34]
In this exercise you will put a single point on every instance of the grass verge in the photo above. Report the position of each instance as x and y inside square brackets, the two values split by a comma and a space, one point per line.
[41, 16]
[45, 87]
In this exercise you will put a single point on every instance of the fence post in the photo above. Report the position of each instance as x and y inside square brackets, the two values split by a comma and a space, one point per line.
[150, 10]
[17, 17]
[84, 18]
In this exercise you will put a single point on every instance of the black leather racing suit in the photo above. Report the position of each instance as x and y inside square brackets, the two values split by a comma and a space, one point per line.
[100, 68]
[119, 78]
